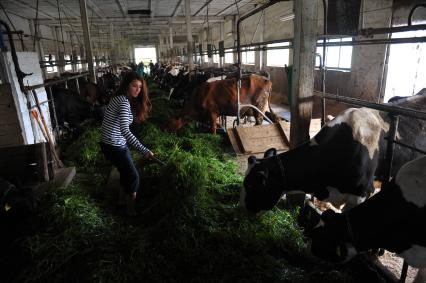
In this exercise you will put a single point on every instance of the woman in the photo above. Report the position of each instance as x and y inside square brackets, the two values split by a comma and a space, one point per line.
[131, 102]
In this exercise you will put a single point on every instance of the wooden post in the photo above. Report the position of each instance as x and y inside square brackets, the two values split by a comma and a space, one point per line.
[222, 38]
[87, 43]
[303, 70]
[189, 35]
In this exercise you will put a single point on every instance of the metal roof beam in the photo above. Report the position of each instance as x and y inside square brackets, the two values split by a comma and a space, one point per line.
[202, 7]
[176, 8]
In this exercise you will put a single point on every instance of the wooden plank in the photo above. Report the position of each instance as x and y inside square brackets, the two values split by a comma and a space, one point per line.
[259, 131]
[8, 118]
[233, 140]
[314, 127]
[284, 135]
[63, 177]
[24, 162]
[259, 138]
[6, 97]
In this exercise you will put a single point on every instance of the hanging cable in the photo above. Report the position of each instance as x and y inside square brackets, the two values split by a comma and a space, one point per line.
[72, 29]
[60, 24]
[35, 27]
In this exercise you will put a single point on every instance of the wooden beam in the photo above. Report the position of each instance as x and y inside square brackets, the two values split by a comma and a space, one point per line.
[303, 70]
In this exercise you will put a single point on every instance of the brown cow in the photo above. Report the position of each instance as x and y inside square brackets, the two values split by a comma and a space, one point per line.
[210, 100]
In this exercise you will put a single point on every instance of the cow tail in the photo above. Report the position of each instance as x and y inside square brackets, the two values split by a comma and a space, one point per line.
[269, 101]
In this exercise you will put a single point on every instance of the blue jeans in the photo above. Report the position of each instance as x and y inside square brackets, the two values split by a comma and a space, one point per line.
[121, 158]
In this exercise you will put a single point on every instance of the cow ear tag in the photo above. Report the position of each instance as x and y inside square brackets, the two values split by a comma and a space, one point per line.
[7, 207]
[338, 252]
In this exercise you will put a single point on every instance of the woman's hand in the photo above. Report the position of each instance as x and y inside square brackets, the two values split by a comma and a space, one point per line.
[149, 155]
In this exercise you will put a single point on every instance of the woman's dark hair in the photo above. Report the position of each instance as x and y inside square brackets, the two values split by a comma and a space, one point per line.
[141, 105]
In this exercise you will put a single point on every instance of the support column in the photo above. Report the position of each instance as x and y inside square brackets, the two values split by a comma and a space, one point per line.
[201, 41]
[160, 49]
[60, 59]
[303, 70]
[189, 35]
[112, 53]
[222, 38]
[56, 47]
[38, 46]
[74, 60]
[262, 54]
[234, 37]
[171, 37]
[82, 57]
[87, 43]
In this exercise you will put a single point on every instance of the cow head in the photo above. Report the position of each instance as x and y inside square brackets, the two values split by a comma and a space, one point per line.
[263, 184]
[330, 239]
[174, 124]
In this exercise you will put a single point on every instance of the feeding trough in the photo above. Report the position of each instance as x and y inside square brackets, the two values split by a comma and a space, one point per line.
[257, 139]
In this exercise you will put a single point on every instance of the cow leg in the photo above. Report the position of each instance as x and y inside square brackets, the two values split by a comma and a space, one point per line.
[258, 117]
[213, 126]
[421, 276]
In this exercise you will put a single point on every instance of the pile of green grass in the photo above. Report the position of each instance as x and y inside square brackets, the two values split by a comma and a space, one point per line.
[189, 229]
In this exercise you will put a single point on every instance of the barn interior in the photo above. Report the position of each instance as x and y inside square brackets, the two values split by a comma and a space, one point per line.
[58, 191]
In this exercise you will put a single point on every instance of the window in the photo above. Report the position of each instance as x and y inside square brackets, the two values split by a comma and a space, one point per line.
[216, 58]
[68, 66]
[406, 74]
[49, 68]
[278, 57]
[79, 63]
[337, 57]
[229, 57]
[247, 57]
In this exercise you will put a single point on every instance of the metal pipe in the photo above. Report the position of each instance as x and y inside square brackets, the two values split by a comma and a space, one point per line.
[396, 110]
[410, 15]
[370, 31]
[390, 148]
[343, 43]
[20, 75]
[55, 82]
[258, 110]
[261, 8]
[407, 146]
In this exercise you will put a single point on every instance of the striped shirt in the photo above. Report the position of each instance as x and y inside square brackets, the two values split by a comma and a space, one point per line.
[115, 125]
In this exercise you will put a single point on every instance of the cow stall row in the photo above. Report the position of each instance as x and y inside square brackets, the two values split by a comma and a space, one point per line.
[206, 94]
[339, 165]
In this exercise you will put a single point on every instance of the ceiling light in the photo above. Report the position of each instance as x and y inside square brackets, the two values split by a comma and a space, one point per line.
[139, 12]
[286, 17]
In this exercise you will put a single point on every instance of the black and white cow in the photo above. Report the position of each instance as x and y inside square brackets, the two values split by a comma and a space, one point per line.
[73, 109]
[339, 164]
[340, 159]
[393, 219]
